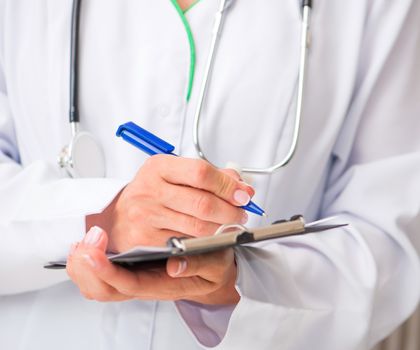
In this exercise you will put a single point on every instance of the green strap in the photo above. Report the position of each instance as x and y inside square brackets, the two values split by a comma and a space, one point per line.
[191, 42]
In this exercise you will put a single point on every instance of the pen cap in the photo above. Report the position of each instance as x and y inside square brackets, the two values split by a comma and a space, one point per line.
[143, 139]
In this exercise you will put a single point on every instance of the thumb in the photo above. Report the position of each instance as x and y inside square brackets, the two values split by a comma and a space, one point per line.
[96, 237]
[234, 174]
[193, 265]
[176, 267]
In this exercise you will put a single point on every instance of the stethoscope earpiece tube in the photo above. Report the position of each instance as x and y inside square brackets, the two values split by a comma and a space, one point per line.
[304, 48]
[74, 63]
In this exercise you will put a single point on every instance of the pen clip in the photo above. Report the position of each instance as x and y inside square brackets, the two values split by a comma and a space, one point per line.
[143, 139]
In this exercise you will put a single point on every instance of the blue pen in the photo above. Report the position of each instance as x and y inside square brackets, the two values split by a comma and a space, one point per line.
[151, 144]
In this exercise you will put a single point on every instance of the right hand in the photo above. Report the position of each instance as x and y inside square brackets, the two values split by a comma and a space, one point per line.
[173, 196]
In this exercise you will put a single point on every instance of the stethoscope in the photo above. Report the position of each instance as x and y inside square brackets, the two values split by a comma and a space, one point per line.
[84, 157]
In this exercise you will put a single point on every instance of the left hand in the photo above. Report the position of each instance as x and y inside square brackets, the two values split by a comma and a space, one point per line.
[207, 278]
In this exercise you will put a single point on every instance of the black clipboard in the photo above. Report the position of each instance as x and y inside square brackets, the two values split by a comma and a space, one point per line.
[227, 236]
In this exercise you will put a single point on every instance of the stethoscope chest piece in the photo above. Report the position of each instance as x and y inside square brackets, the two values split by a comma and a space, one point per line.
[83, 157]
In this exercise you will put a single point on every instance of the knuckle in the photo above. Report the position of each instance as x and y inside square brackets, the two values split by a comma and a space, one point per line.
[202, 172]
[152, 162]
[204, 206]
[199, 227]
[134, 213]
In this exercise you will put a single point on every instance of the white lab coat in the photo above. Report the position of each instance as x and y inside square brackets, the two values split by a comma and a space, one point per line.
[358, 158]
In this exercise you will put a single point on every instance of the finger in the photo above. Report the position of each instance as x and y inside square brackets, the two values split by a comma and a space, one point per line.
[237, 176]
[189, 225]
[141, 284]
[80, 265]
[201, 204]
[232, 173]
[209, 278]
[95, 237]
[200, 174]
[89, 284]
[213, 267]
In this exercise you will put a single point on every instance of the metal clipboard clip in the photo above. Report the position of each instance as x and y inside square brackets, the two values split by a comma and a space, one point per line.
[234, 235]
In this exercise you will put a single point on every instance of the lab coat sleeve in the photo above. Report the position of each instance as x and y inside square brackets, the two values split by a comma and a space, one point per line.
[41, 212]
[348, 288]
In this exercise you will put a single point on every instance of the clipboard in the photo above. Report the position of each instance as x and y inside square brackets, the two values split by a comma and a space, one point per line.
[227, 236]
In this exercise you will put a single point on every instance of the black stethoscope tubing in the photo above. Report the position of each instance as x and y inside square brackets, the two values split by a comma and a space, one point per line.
[83, 156]
[74, 63]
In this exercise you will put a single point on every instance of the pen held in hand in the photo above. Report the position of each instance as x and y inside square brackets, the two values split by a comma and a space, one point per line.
[151, 145]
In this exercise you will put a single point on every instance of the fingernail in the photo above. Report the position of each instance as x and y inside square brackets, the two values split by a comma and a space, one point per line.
[244, 218]
[182, 266]
[93, 236]
[241, 197]
[89, 260]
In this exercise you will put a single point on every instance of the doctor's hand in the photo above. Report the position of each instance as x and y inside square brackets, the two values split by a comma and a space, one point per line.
[173, 196]
[208, 278]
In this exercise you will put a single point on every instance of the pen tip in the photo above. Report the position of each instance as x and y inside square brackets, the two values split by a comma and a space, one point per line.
[265, 215]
